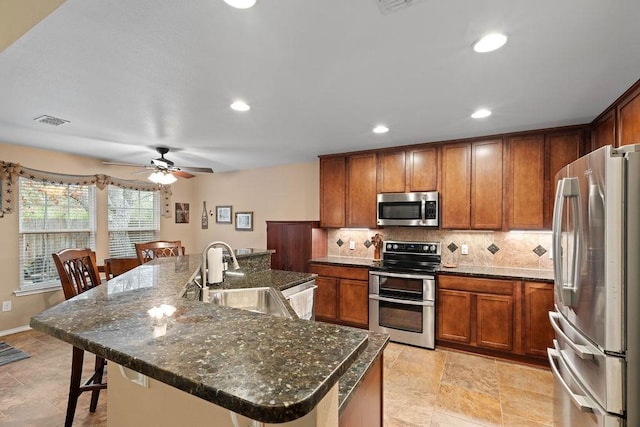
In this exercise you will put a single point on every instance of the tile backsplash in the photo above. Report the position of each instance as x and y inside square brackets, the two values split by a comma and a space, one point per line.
[486, 248]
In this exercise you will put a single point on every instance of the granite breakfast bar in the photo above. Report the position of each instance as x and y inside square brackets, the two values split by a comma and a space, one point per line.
[267, 368]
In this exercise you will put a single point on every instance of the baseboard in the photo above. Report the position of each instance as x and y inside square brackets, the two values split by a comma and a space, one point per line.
[15, 330]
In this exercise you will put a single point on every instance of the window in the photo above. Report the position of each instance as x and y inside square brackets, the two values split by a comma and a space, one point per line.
[134, 217]
[52, 217]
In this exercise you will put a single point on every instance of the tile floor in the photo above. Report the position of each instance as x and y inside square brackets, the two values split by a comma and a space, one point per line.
[421, 388]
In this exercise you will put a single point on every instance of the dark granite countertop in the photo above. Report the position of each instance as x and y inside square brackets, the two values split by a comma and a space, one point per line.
[267, 368]
[529, 274]
[463, 270]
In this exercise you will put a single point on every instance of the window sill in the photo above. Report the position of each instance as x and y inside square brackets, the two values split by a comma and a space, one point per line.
[40, 290]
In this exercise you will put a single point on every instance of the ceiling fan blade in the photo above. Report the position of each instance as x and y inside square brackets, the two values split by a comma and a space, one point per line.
[182, 174]
[195, 169]
[137, 165]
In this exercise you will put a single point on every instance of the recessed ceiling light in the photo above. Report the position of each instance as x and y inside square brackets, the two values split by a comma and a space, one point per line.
[380, 129]
[240, 106]
[490, 42]
[241, 4]
[481, 113]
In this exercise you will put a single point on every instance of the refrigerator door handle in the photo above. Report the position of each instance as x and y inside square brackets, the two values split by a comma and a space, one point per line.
[567, 188]
[582, 402]
[582, 351]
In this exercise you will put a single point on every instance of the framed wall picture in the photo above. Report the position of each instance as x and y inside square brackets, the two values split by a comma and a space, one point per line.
[244, 221]
[182, 213]
[223, 214]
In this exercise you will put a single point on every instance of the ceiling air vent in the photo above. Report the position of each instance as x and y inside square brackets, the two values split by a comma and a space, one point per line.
[388, 6]
[50, 120]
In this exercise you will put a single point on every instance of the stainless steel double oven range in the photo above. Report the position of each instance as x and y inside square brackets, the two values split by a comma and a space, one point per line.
[402, 292]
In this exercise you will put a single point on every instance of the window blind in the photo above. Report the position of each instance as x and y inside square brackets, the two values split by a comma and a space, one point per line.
[134, 217]
[52, 217]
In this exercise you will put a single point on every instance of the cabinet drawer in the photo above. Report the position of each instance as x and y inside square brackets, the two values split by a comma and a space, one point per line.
[472, 284]
[340, 272]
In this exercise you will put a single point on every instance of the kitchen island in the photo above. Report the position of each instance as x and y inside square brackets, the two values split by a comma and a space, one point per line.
[266, 368]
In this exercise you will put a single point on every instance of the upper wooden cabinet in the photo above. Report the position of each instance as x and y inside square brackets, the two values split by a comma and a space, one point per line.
[628, 114]
[455, 190]
[603, 131]
[361, 190]
[410, 170]
[486, 184]
[348, 190]
[471, 189]
[333, 191]
[533, 162]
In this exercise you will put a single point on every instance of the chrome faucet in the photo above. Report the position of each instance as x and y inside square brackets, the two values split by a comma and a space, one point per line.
[203, 266]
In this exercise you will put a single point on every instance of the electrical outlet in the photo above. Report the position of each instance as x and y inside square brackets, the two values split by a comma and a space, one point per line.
[352, 245]
[550, 253]
[6, 305]
[464, 250]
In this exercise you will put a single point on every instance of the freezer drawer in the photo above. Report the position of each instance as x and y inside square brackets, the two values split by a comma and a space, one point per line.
[601, 375]
[572, 405]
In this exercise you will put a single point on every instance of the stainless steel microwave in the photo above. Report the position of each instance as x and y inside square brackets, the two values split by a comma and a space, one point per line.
[408, 209]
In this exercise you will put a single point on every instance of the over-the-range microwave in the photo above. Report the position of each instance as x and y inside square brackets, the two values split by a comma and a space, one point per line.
[408, 209]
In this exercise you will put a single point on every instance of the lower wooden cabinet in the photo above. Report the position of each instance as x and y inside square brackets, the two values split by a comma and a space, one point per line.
[343, 294]
[365, 407]
[498, 317]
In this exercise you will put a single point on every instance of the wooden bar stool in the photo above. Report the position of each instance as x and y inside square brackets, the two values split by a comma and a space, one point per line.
[78, 273]
[158, 249]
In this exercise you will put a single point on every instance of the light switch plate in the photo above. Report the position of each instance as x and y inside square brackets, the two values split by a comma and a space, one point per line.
[464, 249]
[6, 305]
[352, 244]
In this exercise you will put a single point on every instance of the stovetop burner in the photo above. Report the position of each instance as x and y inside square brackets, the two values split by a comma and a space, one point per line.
[419, 257]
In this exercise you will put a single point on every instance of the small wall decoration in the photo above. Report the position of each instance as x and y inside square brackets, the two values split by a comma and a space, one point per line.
[223, 214]
[244, 221]
[182, 213]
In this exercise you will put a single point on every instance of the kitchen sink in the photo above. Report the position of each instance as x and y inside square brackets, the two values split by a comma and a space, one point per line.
[259, 300]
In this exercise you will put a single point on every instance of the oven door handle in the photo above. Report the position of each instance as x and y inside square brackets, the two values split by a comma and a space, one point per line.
[401, 301]
[401, 275]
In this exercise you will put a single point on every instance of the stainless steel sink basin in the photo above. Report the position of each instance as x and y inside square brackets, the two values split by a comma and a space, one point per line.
[259, 300]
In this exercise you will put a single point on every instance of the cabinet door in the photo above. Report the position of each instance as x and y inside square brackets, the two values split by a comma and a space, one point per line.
[526, 183]
[354, 302]
[333, 181]
[486, 185]
[423, 169]
[538, 333]
[455, 195]
[391, 172]
[326, 298]
[276, 240]
[495, 321]
[298, 247]
[561, 149]
[361, 191]
[628, 112]
[454, 316]
[603, 131]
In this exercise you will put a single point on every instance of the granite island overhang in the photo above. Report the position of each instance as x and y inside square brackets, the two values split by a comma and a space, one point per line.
[267, 368]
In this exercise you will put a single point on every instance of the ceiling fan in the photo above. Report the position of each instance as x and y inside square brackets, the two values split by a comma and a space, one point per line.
[164, 170]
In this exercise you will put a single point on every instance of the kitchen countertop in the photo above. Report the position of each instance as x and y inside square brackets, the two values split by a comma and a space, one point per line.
[267, 368]
[530, 274]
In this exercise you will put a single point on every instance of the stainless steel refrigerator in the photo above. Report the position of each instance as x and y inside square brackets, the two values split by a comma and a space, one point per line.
[596, 249]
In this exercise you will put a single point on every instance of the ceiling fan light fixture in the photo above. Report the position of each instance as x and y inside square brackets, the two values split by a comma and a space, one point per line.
[162, 177]
[241, 4]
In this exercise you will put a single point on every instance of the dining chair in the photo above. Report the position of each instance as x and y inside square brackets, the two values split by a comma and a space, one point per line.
[78, 273]
[116, 266]
[158, 249]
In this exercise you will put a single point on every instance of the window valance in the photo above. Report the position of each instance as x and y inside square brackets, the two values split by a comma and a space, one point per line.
[9, 173]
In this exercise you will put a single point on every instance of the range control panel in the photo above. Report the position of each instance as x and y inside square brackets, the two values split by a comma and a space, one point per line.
[419, 248]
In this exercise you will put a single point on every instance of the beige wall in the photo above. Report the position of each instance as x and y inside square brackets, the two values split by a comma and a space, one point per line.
[285, 193]
[19, 16]
[289, 192]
